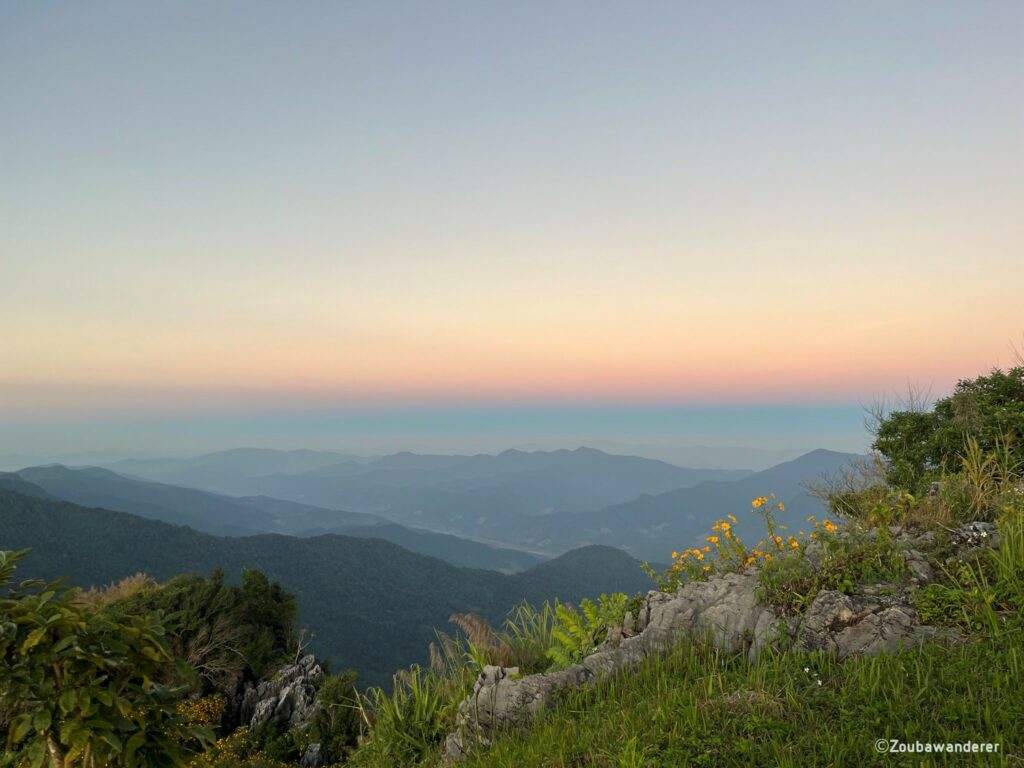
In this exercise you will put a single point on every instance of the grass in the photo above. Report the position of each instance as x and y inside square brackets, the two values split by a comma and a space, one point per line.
[699, 706]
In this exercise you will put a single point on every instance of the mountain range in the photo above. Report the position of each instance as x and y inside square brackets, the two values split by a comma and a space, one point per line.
[371, 605]
[463, 495]
[245, 516]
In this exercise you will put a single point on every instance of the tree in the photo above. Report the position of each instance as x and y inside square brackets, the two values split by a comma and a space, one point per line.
[920, 445]
[78, 687]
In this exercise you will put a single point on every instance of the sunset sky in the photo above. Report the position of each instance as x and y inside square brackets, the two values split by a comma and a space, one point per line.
[471, 225]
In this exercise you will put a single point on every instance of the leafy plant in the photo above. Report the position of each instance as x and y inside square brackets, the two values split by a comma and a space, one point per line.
[335, 724]
[920, 445]
[81, 686]
[407, 724]
[576, 634]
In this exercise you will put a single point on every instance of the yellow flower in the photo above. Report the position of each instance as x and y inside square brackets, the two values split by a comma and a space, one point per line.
[750, 560]
[801, 533]
[677, 566]
[767, 556]
[707, 567]
[778, 539]
[782, 507]
[713, 539]
[728, 535]
[707, 549]
[794, 544]
[715, 527]
[732, 518]
[700, 555]
[675, 555]
[810, 518]
[726, 526]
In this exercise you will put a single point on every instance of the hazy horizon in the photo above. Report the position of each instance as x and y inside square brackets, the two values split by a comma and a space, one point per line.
[462, 227]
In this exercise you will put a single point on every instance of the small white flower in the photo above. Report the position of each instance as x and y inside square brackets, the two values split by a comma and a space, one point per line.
[807, 669]
[819, 682]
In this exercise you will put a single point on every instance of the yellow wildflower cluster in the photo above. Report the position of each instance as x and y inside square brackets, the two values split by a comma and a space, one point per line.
[205, 711]
[239, 750]
[725, 550]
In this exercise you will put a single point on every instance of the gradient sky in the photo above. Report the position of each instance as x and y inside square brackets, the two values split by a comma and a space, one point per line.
[459, 224]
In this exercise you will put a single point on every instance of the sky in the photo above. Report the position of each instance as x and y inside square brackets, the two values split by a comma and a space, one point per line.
[464, 226]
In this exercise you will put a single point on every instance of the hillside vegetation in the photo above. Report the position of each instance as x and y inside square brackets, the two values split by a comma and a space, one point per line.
[249, 515]
[371, 605]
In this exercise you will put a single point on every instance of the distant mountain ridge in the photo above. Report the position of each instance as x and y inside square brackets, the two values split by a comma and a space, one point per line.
[245, 516]
[371, 605]
[651, 526]
[211, 470]
[437, 492]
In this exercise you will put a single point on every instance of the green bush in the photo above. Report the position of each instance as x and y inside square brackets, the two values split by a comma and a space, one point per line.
[78, 687]
[920, 446]
[335, 725]
[576, 634]
[229, 634]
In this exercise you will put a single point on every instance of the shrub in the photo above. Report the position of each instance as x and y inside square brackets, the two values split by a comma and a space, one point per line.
[576, 634]
[228, 634]
[79, 686]
[920, 446]
[409, 723]
[335, 724]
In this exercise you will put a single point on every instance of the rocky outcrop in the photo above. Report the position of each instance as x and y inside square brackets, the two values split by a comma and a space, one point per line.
[866, 623]
[288, 700]
[724, 611]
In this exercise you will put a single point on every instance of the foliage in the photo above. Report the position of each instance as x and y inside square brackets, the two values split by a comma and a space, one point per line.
[576, 634]
[528, 631]
[335, 725]
[726, 552]
[920, 446]
[983, 591]
[240, 749]
[371, 605]
[843, 560]
[207, 710]
[99, 597]
[699, 706]
[228, 634]
[408, 723]
[80, 687]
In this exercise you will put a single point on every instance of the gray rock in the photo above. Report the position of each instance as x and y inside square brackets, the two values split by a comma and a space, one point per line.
[850, 625]
[312, 757]
[288, 700]
[976, 534]
[919, 567]
[924, 542]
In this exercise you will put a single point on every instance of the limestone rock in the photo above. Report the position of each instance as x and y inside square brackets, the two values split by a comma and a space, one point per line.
[288, 700]
[860, 624]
